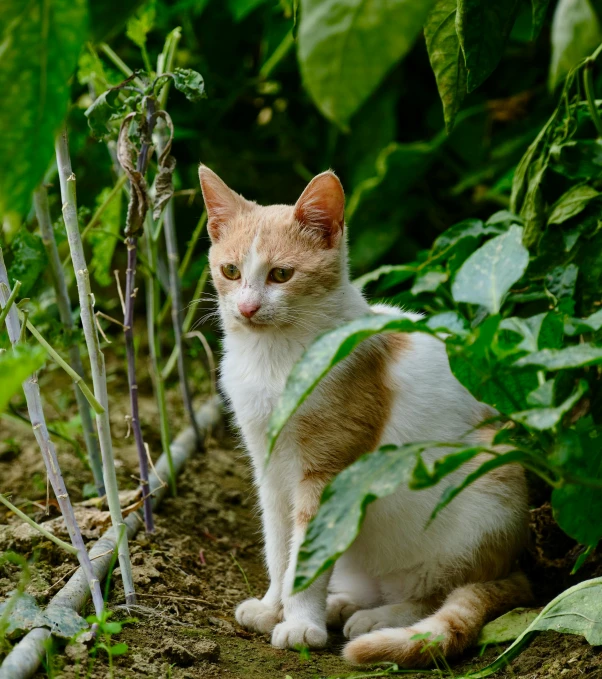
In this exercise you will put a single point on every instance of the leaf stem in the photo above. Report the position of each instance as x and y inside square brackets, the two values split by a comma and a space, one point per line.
[121, 65]
[588, 81]
[9, 302]
[47, 534]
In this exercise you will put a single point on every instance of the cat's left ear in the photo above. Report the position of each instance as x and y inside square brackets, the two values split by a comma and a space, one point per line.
[321, 208]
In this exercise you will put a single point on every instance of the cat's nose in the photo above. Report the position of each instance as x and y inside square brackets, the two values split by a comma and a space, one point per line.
[248, 309]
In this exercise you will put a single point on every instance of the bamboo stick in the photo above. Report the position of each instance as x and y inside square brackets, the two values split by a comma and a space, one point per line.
[97, 363]
[40, 430]
[65, 313]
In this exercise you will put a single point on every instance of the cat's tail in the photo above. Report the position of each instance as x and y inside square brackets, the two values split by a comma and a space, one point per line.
[452, 628]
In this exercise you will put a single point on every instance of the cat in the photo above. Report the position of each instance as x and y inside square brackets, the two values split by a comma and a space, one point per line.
[282, 279]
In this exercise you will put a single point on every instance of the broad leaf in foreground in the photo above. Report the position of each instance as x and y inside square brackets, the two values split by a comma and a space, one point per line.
[576, 356]
[346, 47]
[578, 610]
[343, 507]
[324, 354]
[488, 274]
[40, 43]
[447, 60]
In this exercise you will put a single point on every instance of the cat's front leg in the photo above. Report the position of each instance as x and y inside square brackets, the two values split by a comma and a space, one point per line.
[262, 615]
[304, 613]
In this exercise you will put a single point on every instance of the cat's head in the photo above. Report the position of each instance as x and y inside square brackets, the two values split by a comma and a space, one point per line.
[276, 265]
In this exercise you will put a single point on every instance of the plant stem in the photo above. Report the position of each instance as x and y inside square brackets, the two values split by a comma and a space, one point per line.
[128, 331]
[192, 307]
[65, 314]
[47, 534]
[185, 262]
[103, 206]
[9, 302]
[121, 65]
[588, 80]
[176, 312]
[97, 362]
[152, 304]
[40, 430]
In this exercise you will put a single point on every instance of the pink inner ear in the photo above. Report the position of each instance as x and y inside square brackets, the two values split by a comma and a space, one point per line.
[322, 206]
[221, 202]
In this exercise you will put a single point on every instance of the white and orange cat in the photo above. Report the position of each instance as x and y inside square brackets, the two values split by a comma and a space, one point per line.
[282, 278]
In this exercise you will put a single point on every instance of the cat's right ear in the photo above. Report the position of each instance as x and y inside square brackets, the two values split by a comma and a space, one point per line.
[221, 202]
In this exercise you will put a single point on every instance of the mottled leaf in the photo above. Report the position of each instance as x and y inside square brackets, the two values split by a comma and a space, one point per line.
[190, 83]
[28, 260]
[547, 418]
[508, 626]
[429, 281]
[578, 326]
[446, 57]
[576, 356]
[346, 47]
[488, 274]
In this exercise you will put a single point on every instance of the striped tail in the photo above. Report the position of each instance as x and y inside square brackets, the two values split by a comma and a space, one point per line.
[452, 628]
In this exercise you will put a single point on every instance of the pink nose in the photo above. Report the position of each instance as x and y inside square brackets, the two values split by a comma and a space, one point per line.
[247, 309]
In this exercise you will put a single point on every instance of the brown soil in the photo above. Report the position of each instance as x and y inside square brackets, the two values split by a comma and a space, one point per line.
[205, 557]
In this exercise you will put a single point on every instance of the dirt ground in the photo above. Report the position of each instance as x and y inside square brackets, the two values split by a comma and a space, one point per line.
[205, 557]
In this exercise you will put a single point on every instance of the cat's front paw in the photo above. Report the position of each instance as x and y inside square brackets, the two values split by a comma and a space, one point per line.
[365, 621]
[257, 616]
[339, 608]
[297, 633]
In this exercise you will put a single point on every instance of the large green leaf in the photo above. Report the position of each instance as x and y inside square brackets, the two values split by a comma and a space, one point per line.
[577, 508]
[570, 204]
[39, 42]
[346, 47]
[507, 627]
[447, 59]
[578, 610]
[325, 353]
[576, 356]
[542, 331]
[488, 274]
[575, 35]
[546, 418]
[343, 507]
[484, 27]
[16, 366]
[108, 16]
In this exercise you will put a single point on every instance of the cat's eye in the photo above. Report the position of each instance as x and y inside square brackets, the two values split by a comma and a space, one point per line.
[231, 272]
[281, 274]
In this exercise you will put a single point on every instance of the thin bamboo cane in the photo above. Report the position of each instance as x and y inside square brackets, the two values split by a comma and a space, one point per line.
[40, 430]
[97, 362]
[65, 312]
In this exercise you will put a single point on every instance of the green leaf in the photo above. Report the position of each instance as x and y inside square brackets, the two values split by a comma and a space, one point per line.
[446, 57]
[346, 47]
[539, 10]
[575, 35]
[577, 508]
[578, 326]
[16, 366]
[109, 16]
[118, 649]
[190, 83]
[576, 356]
[22, 615]
[577, 159]
[547, 418]
[448, 321]
[543, 331]
[575, 611]
[508, 626]
[102, 110]
[429, 281]
[543, 395]
[40, 43]
[484, 27]
[395, 273]
[28, 260]
[324, 354]
[63, 622]
[240, 9]
[26, 615]
[141, 24]
[570, 204]
[343, 507]
[488, 274]
[561, 281]
[424, 476]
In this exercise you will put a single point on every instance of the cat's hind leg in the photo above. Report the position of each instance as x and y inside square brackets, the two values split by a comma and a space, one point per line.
[351, 589]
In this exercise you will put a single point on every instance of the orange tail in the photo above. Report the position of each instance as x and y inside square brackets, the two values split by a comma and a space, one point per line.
[453, 628]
